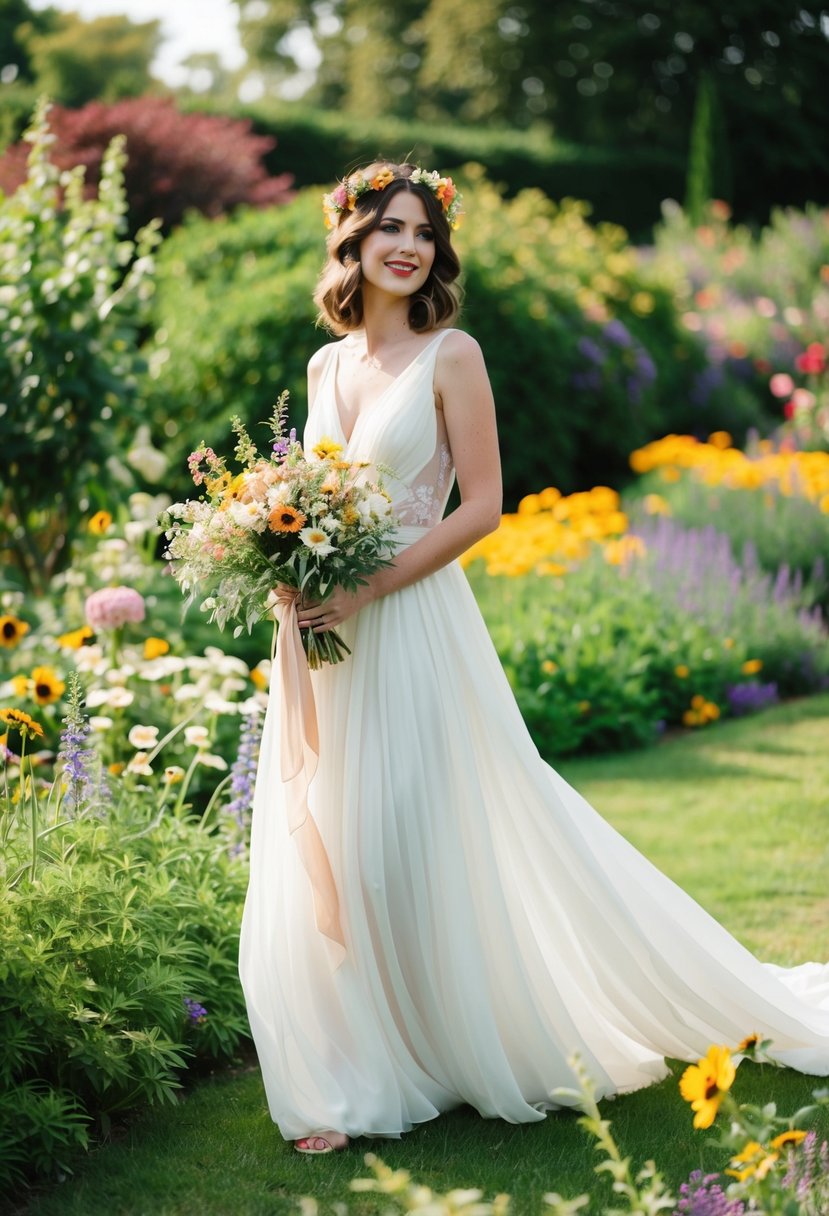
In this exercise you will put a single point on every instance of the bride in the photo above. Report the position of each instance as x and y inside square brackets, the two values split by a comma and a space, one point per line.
[453, 921]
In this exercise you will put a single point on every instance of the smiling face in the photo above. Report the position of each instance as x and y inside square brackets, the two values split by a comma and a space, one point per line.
[397, 256]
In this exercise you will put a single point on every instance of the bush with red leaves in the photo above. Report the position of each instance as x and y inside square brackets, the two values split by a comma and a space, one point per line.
[175, 161]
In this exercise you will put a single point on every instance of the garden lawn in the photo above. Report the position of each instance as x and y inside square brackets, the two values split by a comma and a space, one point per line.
[739, 814]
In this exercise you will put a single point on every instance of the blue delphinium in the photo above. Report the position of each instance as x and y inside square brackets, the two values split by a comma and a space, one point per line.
[242, 779]
[80, 765]
[195, 1012]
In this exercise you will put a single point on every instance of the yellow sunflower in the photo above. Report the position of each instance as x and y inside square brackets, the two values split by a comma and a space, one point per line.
[12, 630]
[155, 647]
[749, 1043]
[16, 719]
[76, 638]
[285, 519]
[100, 523]
[706, 1083]
[47, 686]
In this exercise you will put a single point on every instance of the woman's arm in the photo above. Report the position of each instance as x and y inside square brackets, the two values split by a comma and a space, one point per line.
[464, 391]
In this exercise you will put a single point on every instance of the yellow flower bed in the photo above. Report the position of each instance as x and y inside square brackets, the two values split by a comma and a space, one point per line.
[550, 531]
[793, 474]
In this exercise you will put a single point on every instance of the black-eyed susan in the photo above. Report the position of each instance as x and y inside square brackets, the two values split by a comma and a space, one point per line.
[706, 1083]
[284, 518]
[20, 685]
[12, 630]
[753, 1162]
[748, 1045]
[789, 1139]
[17, 719]
[100, 523]
[155, 647]
[47, 686]
[76, 638]
[751, 667]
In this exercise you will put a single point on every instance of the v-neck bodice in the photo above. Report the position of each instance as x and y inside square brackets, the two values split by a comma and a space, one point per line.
[402, 431]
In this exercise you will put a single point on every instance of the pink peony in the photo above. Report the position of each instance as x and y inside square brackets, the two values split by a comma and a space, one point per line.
[114, 606]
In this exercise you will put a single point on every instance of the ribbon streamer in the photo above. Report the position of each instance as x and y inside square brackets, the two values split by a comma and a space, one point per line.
[299, 756]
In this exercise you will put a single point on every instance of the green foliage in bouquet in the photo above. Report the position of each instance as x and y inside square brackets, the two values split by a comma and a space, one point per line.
[73, 294]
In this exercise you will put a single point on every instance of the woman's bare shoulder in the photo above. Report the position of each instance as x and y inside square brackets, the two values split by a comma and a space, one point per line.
[461, 347]
[320, 357]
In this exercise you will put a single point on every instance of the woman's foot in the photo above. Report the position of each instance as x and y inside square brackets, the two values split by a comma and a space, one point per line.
[325, 1142]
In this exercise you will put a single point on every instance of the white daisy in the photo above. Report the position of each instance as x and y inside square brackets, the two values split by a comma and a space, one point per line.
[317, 540]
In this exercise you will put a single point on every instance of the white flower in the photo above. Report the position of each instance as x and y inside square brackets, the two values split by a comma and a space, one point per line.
[217, 704]
[100, 723]
[115, 698]
[317, 540]
[139, 764]
[96, 697]
[250, 515]
[329, 523]
[197, 736]
[161, 668]
[173, 773]
[149, 461]
[188, 692]
[91, 659]
[120, 698]
[120, 675]
[211, 761]
[143, 737]
[257, 704]
[223, 664]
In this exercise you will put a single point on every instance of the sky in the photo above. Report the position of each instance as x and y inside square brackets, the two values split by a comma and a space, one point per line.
[189, 26]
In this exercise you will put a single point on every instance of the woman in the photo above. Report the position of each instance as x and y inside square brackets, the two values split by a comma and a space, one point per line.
[477, 922]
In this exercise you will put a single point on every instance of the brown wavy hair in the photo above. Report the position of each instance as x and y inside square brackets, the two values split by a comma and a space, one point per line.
[339, 293]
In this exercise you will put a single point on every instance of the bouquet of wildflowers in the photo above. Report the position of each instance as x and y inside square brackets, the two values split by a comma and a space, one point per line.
[311, 522]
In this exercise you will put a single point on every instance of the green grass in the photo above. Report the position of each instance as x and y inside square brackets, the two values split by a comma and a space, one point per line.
[739, 814]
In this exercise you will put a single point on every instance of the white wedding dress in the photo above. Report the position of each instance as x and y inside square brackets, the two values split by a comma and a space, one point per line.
[493, 923]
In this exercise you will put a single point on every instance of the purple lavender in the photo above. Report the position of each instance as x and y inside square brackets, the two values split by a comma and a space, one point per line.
[617, 332]
[808, 1176]
[749, 698]
[243, 777]
[702, 1195]
[591, 350]
[280, 447]
[195, 1012]
[79, 760]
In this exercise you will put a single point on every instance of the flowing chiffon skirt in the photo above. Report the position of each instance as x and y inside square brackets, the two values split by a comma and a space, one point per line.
[494, 923]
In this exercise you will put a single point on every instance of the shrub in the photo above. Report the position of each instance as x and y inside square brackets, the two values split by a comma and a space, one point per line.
[583, 360]
[176, 162]
[72, 300]
[125, 918]
[320, 145]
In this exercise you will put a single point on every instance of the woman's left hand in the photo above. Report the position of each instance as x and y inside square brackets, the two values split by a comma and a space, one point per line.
[338, 607]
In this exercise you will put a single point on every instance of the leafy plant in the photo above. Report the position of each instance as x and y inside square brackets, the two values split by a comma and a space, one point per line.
[72, 297]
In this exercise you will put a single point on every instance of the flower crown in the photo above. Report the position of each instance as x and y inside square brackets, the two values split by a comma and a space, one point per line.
[344, 198]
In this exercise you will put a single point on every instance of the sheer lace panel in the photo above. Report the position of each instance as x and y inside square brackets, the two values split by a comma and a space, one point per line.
[424, 501]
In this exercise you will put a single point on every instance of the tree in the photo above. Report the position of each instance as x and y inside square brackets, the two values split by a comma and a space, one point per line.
[176, 162]
[78, 61]
[598, 72]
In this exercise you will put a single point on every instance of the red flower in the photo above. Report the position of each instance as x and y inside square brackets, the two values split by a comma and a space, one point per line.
[813, 360]
[789, 409]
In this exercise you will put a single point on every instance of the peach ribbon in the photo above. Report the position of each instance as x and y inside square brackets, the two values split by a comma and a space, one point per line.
[299, 757]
